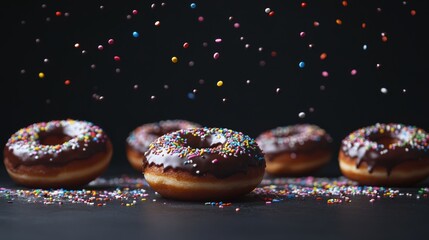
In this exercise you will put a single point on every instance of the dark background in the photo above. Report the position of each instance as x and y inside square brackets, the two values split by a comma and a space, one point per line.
[346, 103]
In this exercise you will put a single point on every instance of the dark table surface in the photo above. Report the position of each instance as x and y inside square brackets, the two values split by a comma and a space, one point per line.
[404, 216]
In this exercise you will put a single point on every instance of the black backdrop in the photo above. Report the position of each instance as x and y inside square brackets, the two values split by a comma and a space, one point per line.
[342, 102]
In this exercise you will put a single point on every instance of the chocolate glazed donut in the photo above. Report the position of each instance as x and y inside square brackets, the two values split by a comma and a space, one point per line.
[66, 153]
[204, 164]
[386, 154]
[295, 150]
[139, 139]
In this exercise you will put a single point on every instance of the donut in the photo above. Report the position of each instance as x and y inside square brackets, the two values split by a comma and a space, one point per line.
[139, 139]
[389, 154]
[57, 154]
[295, 150]
[204, 164]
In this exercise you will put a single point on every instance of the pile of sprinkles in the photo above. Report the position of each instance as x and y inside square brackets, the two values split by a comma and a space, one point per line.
[131, 191]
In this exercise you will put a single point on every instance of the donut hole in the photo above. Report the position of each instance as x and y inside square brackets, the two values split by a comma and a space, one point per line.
[54, 139]
[206, 142]
[383, 139]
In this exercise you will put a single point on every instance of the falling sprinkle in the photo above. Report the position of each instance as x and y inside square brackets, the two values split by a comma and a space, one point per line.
[323, 56]
[193, 5]
[191, 96]
[67, 82]
[325, 74]
[135, 34]
[41, 75]
[174, 59]
[383, 90]
[301, 115]
[353, 72]
[219, 83]
[301, 64]
[216, 56]
[111, 41]
[185, 45]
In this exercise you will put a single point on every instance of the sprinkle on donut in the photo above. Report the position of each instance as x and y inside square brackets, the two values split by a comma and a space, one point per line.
[386, 145]
[218, 151]
[81, 139]
[299, 137]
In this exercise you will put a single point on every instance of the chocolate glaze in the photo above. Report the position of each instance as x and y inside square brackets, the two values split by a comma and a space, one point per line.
[55, 143]
[205, 154]
[293, 139]
[386, 145]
